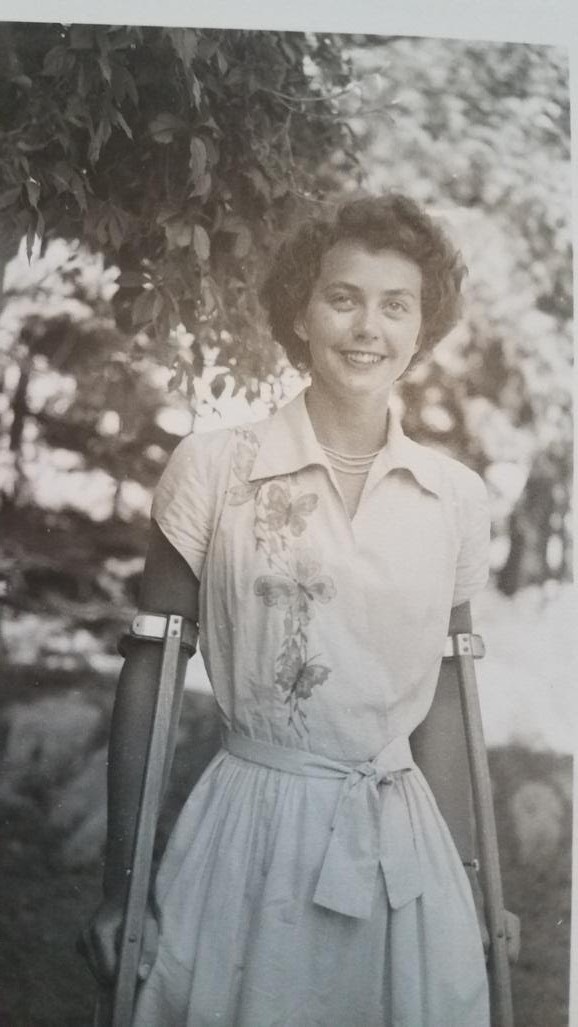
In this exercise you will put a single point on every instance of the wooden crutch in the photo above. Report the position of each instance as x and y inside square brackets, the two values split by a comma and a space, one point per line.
[116, 1009]
[466, 647]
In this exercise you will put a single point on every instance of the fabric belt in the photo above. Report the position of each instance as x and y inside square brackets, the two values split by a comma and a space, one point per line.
[371, 825]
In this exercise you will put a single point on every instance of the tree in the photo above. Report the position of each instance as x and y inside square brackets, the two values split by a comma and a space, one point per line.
[178, 154]
[479, 132]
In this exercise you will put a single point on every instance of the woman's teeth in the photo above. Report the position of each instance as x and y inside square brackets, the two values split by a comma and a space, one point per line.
[359, 358]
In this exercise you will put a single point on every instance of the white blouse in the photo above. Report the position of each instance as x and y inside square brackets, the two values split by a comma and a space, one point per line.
[319, 631]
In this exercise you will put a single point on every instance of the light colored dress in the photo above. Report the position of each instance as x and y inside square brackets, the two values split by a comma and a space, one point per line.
[311, 880]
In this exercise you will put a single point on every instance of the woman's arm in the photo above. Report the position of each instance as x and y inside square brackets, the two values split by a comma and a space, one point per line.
[168, 586]
[439, 749]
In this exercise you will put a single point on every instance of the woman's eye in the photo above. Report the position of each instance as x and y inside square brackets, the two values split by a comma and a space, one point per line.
[342, 301]
[395, 306]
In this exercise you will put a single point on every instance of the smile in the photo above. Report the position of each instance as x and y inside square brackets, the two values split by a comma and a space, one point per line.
[360, 358]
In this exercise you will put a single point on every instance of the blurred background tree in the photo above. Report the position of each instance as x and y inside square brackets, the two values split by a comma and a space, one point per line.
[480, 133]
[177, 156]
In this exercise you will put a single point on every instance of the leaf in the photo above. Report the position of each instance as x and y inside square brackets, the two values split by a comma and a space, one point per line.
[185, 43]
[9, 196]
[178, 233]
[207, 47]
[104, 65]
[164, 127]
[213, 152]
[288, 50]
[116, 229]
[158, 306]
[208, 297]
[198, 158]
[222, 62]
[40, 227]
[131, 89]
[30, 237]
[202, 186]
[218, 385]
[33, 191]
[99, 138]
[201, 243]
[119, 119]
[177, 377]
[142, 308]
[61, 175]
[81, 37]
[197, 92]
[259, 182]
[78, 190]
[131, 279]
[54, 61]
[243, 242]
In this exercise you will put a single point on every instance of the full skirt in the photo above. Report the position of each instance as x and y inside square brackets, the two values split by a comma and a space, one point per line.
[242, 944]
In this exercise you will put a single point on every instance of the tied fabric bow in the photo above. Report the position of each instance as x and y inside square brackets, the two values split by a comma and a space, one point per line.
[371, 828]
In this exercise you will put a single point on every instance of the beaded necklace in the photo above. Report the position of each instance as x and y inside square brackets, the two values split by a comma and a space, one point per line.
[346, 463]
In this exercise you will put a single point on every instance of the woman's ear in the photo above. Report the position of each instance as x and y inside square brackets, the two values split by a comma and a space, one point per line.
[300, 329]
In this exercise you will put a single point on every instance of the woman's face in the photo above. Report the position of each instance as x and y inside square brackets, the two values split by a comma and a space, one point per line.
[363, 319]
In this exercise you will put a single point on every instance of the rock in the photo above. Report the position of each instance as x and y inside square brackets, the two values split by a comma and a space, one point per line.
[537, 812]
[86, 844]
[86, 791]
[45, 738]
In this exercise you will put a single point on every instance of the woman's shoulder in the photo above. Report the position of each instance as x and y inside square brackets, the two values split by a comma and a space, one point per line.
[207, 452]
[453, 475]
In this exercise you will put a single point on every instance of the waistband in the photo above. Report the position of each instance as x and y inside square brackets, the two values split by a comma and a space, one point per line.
[371, 826]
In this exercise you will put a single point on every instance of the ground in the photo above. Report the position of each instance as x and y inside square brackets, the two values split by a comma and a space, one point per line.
[47, 893]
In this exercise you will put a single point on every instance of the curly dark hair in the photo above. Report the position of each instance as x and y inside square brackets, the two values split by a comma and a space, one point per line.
[391, 221]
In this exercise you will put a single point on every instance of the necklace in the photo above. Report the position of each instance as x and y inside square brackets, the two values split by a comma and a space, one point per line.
[347, 463]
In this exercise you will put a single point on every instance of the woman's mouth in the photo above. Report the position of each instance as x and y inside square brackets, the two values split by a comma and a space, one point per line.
[361, 358]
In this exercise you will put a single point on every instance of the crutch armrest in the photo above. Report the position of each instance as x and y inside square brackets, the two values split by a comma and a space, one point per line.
[464, 644]
[155, 627]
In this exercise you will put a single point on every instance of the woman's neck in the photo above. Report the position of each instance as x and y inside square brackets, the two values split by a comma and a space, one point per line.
[348, 426]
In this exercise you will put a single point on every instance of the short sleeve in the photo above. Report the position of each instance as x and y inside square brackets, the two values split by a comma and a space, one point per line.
[182, 504]
[473, 557]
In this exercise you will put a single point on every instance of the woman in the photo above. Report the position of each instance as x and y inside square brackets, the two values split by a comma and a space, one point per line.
[311, 878]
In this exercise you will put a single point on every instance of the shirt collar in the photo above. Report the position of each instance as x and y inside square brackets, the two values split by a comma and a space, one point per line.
[289, 444]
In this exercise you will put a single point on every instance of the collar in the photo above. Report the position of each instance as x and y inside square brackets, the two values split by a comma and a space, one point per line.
[289, 444]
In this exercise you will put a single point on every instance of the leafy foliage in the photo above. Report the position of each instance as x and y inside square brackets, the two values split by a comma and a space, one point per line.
[178, 155]
[179, 152]
[480, 133]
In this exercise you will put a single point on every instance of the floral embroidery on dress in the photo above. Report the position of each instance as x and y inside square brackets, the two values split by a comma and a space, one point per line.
[296, 593]
[243, 459]
[296, 583]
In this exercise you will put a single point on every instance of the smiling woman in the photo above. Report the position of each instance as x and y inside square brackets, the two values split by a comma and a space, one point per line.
[362, 322]
[311, 877]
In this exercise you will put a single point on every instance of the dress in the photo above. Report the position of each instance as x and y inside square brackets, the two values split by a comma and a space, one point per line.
[310, 880]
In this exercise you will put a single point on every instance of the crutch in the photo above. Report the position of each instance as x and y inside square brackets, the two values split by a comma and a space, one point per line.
[466, 647]
[116, 1009]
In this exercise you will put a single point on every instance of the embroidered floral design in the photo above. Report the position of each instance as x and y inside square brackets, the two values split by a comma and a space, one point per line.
[296, 593]
[243, 459]
[296, 584]
[281, 512]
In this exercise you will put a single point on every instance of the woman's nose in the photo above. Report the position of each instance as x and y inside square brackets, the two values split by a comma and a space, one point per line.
[367, 325]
